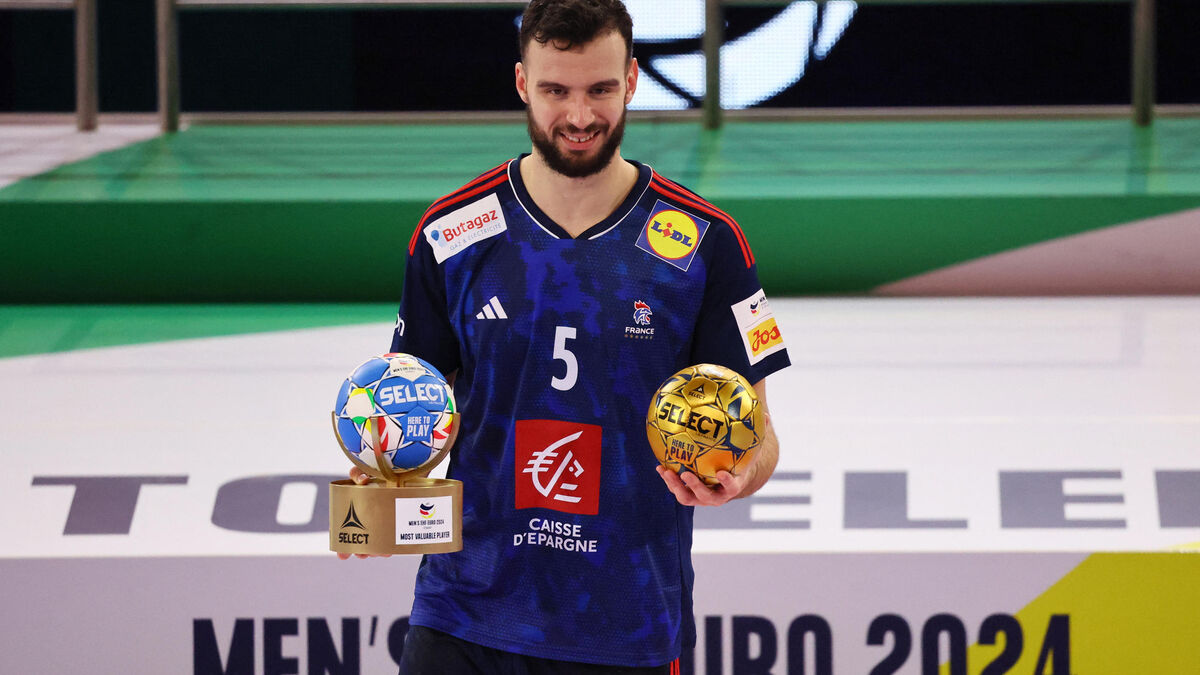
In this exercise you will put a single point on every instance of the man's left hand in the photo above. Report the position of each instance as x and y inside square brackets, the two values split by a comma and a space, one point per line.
[691, 491]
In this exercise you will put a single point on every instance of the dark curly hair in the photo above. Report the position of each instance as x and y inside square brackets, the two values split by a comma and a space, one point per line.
[567, 23]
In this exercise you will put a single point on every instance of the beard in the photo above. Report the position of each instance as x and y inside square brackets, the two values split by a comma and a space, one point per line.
[570, 163]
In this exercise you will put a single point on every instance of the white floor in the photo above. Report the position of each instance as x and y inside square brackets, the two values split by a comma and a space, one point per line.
[30, 149]
[957, 406]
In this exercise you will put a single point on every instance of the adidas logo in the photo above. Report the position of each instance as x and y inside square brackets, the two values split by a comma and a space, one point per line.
[492, 310]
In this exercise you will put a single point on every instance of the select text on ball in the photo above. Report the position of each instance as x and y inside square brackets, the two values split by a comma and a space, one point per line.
[696, 422]
[421, 392]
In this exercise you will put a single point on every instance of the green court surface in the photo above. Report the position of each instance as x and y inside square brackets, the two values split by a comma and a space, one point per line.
[323, 213]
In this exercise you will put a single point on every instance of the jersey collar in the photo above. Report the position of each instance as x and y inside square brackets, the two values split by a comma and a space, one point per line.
[554, 229]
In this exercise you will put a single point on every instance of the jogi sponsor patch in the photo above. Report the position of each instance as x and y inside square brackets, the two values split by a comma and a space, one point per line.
[756, 323]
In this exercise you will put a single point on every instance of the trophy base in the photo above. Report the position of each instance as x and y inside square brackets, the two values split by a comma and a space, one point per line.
[419, 515]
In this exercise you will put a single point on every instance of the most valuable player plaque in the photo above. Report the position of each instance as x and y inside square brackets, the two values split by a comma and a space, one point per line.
[395, 418]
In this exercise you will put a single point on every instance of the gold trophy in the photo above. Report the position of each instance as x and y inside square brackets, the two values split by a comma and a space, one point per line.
[395, 418]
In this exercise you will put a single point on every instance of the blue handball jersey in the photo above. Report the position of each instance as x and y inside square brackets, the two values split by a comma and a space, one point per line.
[573, 548]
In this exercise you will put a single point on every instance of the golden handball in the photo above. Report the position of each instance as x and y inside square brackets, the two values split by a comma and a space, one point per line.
[705, 419]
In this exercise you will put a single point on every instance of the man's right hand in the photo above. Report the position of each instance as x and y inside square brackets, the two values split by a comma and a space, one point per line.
[361, 477]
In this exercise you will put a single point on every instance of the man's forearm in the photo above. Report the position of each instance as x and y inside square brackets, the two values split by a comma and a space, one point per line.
[765, 459]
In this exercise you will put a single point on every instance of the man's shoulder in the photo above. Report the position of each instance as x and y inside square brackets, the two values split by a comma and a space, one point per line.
[474, 189]
[677, 196]
[474, 194]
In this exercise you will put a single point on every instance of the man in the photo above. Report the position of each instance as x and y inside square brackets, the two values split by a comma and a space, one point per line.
[558, 290]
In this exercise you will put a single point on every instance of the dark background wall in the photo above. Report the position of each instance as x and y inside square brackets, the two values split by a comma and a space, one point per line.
[906, 55]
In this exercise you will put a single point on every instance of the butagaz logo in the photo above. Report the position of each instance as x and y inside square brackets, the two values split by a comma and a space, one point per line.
[454, 232]
[672, 235]
[756, 323]
[492, 310]
[558, 466]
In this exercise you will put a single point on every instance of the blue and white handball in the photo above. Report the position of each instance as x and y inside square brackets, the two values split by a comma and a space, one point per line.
[407, 401]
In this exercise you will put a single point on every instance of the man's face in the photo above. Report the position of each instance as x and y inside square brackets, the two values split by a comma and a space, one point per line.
[575, 102]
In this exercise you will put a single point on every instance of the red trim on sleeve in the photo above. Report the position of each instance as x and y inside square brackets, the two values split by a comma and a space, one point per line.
[457, 196]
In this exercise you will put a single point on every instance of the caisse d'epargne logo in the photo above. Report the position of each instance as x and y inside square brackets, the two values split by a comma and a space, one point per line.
[558, 466]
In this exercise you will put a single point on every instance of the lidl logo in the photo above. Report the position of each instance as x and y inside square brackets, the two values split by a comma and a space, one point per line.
[672, 235]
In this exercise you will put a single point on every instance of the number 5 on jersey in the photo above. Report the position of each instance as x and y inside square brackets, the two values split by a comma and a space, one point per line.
[561, 353]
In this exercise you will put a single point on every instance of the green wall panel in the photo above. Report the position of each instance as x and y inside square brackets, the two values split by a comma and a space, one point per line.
[354, 252]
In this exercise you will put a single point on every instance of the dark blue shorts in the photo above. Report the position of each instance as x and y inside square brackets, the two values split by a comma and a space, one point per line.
[432, 652]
